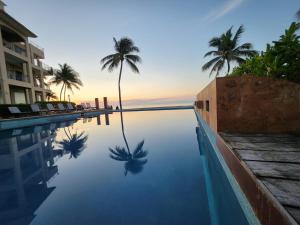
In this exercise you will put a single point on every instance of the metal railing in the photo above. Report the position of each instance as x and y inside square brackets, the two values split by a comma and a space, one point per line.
[14, 75]
[36, 45]
[14, 48]
[45, 66]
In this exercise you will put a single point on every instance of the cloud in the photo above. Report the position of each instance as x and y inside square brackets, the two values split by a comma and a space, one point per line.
[224, 9]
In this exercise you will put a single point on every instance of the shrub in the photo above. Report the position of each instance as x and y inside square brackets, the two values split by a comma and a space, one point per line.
[43, 104]
[280, 60]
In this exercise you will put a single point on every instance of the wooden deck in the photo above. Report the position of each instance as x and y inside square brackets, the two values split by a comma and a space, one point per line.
[275, 160]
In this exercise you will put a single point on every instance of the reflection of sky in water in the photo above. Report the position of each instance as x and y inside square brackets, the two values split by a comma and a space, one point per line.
[92, 189]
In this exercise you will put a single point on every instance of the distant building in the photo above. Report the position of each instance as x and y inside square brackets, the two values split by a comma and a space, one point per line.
[22, 73]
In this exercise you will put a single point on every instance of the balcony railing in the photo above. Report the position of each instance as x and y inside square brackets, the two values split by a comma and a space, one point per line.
[36, 45]
[14, 48]
[46, 67]
[37, 83]
[14, 75]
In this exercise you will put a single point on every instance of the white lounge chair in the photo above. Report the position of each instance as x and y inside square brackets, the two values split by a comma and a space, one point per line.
[61, 107]
[70, 106]
[36, 109]
[50, 107]
[16, 111]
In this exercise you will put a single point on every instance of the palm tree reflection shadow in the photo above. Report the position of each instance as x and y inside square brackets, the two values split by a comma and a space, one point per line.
[135, 161]
[74, 144]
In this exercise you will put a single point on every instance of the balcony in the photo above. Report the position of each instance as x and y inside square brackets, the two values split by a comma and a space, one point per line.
[37, 83]
[15, 47]
[16, 75]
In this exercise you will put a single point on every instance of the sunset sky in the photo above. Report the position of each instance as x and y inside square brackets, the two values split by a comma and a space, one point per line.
[172, 36]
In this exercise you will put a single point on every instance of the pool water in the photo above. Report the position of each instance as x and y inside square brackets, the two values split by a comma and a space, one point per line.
[156, 170]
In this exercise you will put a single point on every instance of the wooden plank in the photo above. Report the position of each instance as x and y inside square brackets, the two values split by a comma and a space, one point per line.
[263, 139]
[295, 213]
[286, 191]
[266, 146]
[275, 169]
[274, 156]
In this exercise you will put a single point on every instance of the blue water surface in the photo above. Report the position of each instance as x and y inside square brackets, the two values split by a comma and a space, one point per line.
[93, 172]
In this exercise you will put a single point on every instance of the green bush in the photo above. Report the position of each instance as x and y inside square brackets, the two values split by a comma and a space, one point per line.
[280, 60]
[43, 104]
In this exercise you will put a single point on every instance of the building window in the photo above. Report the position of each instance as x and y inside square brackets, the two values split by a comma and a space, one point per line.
[38, 97]
[207, 105]
[20, 97]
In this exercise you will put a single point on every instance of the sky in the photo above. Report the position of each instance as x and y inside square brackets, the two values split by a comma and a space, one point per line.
[172, 36]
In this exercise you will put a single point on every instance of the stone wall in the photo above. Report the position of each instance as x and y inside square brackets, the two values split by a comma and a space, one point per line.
[249, 104]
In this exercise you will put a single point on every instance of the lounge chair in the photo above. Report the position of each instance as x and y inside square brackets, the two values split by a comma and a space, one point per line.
[61, 107]
[88, 105]
[50, 107]
[16, 111]
[83, 106]
[36, 109]
[70, 107]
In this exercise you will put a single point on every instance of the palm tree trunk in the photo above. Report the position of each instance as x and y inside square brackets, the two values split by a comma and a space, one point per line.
[123, 133]
[65, 93]
[228, 67]
[119, 85]
[121, 109]
[61, 92]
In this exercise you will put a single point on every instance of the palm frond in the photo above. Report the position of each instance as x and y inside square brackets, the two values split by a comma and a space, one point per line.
[217, 67]
[109, 57]
[245, 46]
[212, 53]
[238, 34]
[298, 14]
[207, 65]
[132, 66]
[214, 42]
[108, 62]
[134, 58]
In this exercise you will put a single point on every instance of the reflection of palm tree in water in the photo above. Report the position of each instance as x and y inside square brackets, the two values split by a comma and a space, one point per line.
[135, 160]
[74, 144]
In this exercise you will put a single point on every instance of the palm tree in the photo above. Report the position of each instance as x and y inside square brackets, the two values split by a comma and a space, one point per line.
[134, 162]
[124, 52]
[66, 76]
[51, 95]
[227, 50]
[74, 144]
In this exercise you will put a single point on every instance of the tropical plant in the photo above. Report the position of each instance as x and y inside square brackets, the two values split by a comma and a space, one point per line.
[51, 95]
[227, 50]
[134, 162]
[124, 52]
[280, 60]
[74, 144]
[66, 76]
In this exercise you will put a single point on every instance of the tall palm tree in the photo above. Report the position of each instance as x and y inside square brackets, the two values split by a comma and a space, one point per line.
[66, 76]
[227, 50]
[124, 52]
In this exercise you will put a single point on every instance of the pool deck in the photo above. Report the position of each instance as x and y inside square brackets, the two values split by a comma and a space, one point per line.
[274, 159]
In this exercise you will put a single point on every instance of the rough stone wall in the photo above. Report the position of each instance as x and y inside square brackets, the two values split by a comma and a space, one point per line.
[251, 104]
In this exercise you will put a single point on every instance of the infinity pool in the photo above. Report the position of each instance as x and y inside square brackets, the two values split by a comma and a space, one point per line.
[156, 170]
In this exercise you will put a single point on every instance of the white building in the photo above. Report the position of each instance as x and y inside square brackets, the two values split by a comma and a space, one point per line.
[22, 73]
